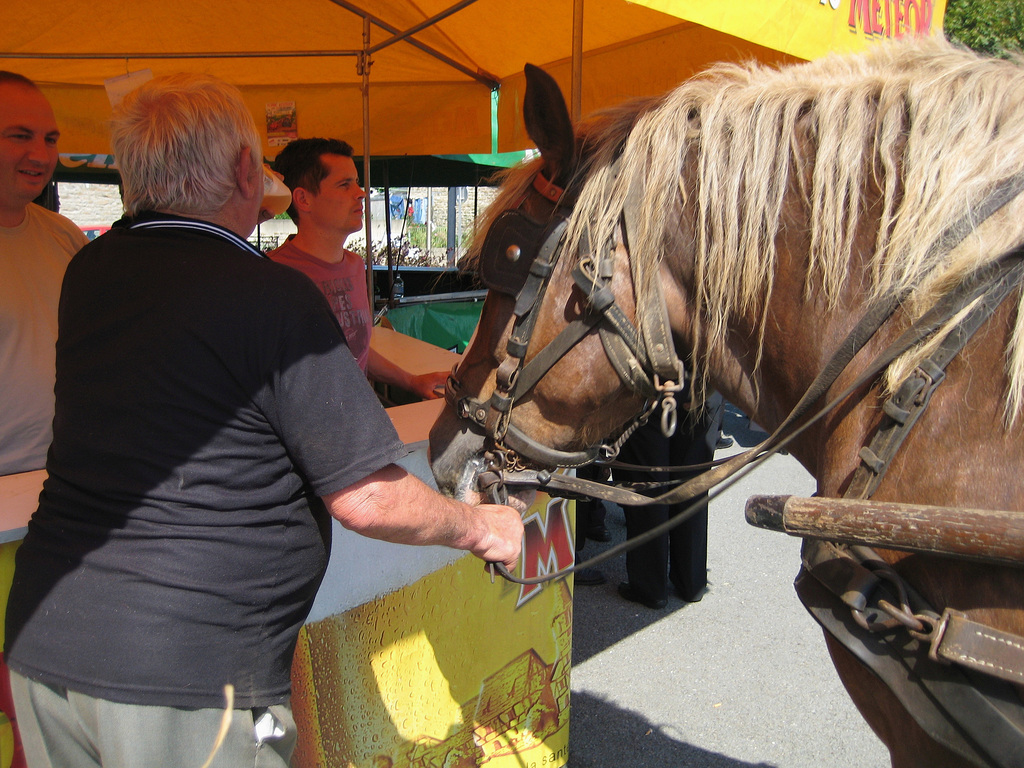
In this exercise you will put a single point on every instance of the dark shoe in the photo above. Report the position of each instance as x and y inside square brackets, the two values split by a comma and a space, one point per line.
[693, 597]
[589, 577]
[627, 592]
[724, 441]
[598, 533]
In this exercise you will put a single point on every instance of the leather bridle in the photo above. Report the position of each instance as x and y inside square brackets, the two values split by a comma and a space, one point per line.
[518, 257]
[506, 466]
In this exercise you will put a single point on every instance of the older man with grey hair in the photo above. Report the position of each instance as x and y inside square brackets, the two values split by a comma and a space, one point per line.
[209, 420]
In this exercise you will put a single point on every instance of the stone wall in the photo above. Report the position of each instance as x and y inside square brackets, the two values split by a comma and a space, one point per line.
[90, 205]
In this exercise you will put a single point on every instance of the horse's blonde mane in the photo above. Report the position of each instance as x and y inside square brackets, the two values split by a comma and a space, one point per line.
[513, 183]
[933, 126]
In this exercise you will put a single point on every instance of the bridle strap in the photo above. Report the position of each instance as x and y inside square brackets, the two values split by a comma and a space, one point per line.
[1008, 270]
[601, 310]
[741, 464]
[503, 397]
[877, 314]
[619, 337]
[986, 291]
[522, 444]
[631, 359]
[656, 330]
[547, 188]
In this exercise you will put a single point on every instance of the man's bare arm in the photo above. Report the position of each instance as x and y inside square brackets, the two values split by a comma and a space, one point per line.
[395, 506]
[427, 386]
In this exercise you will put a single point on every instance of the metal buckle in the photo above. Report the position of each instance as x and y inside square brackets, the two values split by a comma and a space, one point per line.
[667, 395]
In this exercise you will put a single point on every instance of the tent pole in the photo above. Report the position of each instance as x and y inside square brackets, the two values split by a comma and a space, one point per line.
[577, 60]
[387, 235]
[364, 70]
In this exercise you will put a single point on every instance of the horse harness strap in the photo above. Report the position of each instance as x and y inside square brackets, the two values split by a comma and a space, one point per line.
[902, 410]
[512, 377]
[558, 484]
[979, 717]
[644, 359]
[1006, 275]
[655, 329]
[547, 188]
[989, 719]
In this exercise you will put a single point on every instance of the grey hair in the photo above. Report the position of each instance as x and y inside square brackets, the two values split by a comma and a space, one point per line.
[177, 140]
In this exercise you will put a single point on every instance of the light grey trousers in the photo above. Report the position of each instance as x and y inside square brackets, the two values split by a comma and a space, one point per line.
[61, 728]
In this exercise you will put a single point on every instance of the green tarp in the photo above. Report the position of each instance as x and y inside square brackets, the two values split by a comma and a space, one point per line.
[448, 324]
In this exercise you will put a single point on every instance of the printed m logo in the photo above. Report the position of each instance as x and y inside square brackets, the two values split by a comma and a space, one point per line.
[547, 546]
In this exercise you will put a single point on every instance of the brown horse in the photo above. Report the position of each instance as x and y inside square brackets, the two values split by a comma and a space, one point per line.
[771, 208]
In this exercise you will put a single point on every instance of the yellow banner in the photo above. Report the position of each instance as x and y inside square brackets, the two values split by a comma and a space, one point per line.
[810, 28]
[450, 670]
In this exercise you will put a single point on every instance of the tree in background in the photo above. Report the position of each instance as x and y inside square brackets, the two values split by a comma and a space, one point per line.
[988, 26]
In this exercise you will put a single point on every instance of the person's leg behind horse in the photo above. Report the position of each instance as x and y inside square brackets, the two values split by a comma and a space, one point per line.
[688, 541]
[647, 564]
[590, 513]
[694, 443]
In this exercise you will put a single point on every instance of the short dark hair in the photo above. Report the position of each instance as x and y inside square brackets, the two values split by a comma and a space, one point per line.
[301, 165]
[7, 78]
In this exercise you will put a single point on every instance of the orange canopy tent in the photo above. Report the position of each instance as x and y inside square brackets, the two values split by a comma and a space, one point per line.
[428, 68]
[422, 73]
[812, 28]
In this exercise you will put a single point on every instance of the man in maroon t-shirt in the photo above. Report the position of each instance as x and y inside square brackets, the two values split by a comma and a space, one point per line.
[327, 207]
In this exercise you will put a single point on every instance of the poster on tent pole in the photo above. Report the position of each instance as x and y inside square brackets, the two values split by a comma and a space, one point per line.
[282, 123]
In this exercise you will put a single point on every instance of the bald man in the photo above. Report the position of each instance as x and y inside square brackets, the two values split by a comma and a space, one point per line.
[35, 247]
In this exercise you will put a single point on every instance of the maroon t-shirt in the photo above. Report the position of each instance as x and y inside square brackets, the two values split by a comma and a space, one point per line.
[344, 285]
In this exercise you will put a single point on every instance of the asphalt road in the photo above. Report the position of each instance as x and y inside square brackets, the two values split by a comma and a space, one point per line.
[741, 678]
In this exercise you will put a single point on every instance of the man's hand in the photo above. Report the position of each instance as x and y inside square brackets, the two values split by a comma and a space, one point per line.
[429, 386]
[505, 536]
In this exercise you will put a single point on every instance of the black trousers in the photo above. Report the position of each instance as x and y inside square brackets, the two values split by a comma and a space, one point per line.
[590, 513]
[679, 557]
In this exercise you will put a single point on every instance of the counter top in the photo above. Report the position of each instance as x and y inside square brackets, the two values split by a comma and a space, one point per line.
[411, 354]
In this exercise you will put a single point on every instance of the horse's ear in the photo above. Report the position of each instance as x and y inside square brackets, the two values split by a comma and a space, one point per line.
[548, 123]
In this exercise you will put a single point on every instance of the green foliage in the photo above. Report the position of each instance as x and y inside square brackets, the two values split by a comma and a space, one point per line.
[418, 236]
[994, 27]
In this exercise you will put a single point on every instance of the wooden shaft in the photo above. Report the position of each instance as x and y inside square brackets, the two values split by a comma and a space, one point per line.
[990, 536]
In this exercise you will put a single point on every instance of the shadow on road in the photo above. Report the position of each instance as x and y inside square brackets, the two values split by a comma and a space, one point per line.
[601, 617]
[626, 738]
